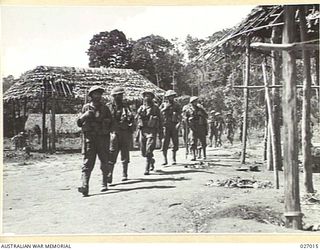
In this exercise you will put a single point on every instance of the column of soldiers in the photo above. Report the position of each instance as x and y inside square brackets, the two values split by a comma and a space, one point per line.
[107, 130]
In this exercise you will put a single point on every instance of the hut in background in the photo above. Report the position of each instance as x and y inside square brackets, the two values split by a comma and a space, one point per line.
[63, 90]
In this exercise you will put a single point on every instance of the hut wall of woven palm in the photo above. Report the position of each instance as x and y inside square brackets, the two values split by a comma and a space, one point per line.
[259, 23]
[74, 82]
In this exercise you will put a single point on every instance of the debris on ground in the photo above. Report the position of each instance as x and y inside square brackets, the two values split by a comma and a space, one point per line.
[308, 227]
[175, 204]
[311, 199]
[263, 214]
[237, 182]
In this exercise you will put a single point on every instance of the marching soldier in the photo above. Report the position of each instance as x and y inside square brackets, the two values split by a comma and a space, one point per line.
[196, 118]
[171, 116]
[219, 125]
[212, 127]
[95, 122]
[149, 125]
[121, 132]
[230, 125]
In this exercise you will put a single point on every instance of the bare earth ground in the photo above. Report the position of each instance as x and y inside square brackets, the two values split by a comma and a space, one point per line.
[40, 197]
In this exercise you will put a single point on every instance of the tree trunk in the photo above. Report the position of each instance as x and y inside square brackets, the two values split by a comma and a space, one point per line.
[306, 135]
[290, 140]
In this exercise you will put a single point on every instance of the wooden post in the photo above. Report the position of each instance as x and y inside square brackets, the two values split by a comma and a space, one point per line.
[271, 128]
[266, 133]
[44, 107]
[245, 108]
[306, 135]
[290, 142]
[275, 63]
[318, 83]
[53, 123]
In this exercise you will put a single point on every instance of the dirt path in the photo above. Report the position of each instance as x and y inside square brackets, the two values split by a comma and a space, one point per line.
[40, 197]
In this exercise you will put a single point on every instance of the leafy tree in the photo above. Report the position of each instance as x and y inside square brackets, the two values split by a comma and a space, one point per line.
[7, 82]
[152, 56]
[109, 49]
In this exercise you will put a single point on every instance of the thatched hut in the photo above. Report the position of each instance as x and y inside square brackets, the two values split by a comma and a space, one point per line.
[67, 87]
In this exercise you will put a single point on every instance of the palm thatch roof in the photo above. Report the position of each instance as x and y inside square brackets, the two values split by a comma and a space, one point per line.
[65, 123]
[73, 82]
[259, 23]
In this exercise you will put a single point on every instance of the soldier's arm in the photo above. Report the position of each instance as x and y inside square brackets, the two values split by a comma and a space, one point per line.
[85, 114]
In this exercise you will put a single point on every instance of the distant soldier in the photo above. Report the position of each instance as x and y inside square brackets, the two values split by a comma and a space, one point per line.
[121, 132]
[149, 125]
[196, 118]
[212, 130]
[20, 140]
[95, 122]
[230, 126]
[218, 126]
[171, 116]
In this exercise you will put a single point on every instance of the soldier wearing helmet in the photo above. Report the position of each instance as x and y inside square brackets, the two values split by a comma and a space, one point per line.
[219, 127]
[121, 132]
[212, 130]
[196, 118]
[171, 116]
[149, 125]
[230, 126]
[95, 121]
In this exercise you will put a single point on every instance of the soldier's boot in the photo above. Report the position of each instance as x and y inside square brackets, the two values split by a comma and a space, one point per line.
[84, 189]
[110, 173]
[165, 162]
[194, 154]
[174, 161]
[124, 171]
[146, 172]
[104, 182]
[199, 153]
[204, 153]
[152, 161]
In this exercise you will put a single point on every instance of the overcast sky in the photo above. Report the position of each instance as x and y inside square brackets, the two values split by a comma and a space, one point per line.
[59, 36]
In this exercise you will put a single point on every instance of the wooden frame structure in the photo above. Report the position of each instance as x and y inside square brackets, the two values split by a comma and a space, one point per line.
[265, 22]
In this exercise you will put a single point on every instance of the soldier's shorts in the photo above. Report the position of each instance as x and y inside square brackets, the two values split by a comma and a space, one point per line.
[199, 133]
[147, 141]
[170, 132]
[96, 145]
[120, 142]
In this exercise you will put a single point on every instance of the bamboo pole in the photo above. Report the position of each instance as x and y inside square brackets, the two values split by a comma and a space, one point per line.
[44, 107]
[306, 135]
[271, 129]
[53, 123]
[245, 96]
[275, 65]
[318, 83]
[291, 169]
[266, 133]
[281, 47]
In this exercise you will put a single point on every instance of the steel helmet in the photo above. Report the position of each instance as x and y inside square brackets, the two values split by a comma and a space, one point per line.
[170, 92]
[95, 88]
[117, 91]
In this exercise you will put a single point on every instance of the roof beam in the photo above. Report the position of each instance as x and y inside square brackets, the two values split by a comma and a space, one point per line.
[288, 46]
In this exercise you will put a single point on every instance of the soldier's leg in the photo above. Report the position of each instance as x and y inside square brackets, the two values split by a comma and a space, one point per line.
[193, 145]
[203, 141]
[165, 146]
[114, 151]
[150, 146]
[88, 164]
[125, 138]
[175, 142]
[103, 153]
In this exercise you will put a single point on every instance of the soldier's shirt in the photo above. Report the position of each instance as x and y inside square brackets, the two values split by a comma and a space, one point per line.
[170, 113]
